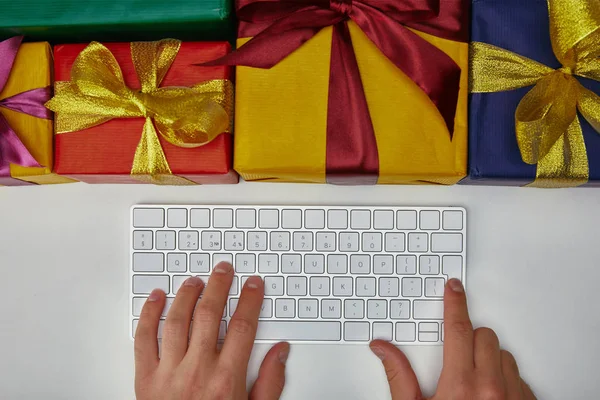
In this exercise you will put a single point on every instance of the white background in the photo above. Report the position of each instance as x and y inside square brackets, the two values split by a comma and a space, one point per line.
[533, 272]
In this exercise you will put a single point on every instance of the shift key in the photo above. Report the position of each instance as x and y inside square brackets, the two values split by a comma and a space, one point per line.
[428, 309]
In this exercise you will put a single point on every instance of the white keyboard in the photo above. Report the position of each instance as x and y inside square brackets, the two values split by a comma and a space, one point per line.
[332, 274]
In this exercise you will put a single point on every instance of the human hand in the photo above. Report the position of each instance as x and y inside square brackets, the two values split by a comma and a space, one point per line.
[195, 369]
[474, 366]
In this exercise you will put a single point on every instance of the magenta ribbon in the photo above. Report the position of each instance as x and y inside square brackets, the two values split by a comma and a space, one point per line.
[31, 102]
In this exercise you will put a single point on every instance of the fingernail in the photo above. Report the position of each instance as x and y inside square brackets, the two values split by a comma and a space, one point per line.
[456, 285]
[378, 351]
[223, 268]
[194, 281]
[254, 282]
[155, 295]
[283, 354]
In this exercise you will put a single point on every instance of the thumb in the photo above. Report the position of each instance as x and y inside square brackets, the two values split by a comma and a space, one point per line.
[271, 376]
[400, 375]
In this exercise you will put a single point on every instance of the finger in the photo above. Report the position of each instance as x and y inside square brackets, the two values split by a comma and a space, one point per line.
[271, 376]
[486, 347]
[209, 312]
[527, 392]
[176, 332]
[458, 330]
[146, 342]
[242, 327]
[510, 370]
[403, 381]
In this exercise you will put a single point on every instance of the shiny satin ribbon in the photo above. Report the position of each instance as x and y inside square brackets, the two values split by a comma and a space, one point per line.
[31, 102]
[184, 116]
[548, 129]
[280, 27]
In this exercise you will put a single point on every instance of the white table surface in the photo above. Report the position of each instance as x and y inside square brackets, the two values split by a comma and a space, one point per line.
[533, 273]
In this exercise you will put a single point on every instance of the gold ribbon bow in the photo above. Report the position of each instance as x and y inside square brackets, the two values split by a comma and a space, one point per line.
[548, 129]
[184, 116]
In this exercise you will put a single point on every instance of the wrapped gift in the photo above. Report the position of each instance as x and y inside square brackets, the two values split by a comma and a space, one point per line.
[535, 109]
[25, 124]
[361, 92]
[143, 112]
[68, 21]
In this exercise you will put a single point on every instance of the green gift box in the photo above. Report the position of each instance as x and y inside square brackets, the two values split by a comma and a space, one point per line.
[72, 21]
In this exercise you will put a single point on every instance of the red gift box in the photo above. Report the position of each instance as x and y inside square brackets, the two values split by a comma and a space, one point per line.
[104, 153]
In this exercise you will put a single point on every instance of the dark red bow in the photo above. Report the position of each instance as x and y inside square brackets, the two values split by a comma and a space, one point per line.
[280, 27]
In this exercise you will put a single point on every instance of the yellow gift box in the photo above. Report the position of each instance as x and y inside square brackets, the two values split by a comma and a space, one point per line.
[281, 116]
[32, 69]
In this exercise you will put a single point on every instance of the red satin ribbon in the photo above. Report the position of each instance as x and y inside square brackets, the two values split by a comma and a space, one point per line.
[280, 27]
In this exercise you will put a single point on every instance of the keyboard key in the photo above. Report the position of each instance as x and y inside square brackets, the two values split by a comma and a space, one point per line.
[412, 287]
[299, 330]
[337, 264]
[233, 303]
[268, 263]
[314, 219]
[223, 218]
[383, 331]
[161, 325]
[453, 220]
[245, 263]
[325, 241]
[285, 308]
[314, 264]
[429, 265]
[303, 241]
[446, 242]
[280, 241]
[177, 282]
[406, 265]
[406, 220]
[383, 219]
[144, 284]
[199, 263]
[200, 218]
[148, 218]
[428, 331]
[360, 219]
[297, 286]
[337, 219]
[137, 305]
[342, 286]
[434, 287]
[176, 262]
[428, 336]
[430, 220]
[165, 240]
[360, 264]
[389, 287]
[365, 287]
[394, 242]
[417, 242]
[142, 240]
[291, 263]
[188, 240]
[331, 308]
[428, 309]
[406, 331]
[235, 287]
[177, 218]
[148, 262]
[400, 309]
[268, 219]
[266, 310]
[371, 242]
[357, 331]
[245, 218]
[377, 309]
[308, 308]
[257, 241]
[349, 241]
[354, 309]
[274, 286]
[234, 241]
[452, 266]
[383, 265]
[291, 219]
[319, 286]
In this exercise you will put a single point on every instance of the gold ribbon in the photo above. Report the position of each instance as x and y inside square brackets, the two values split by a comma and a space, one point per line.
[184, 116]
[548, 129]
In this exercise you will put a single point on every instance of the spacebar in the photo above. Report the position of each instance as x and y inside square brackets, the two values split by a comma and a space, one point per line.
[299, 330]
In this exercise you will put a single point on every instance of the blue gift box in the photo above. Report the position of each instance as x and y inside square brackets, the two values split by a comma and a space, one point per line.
[521, 26]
